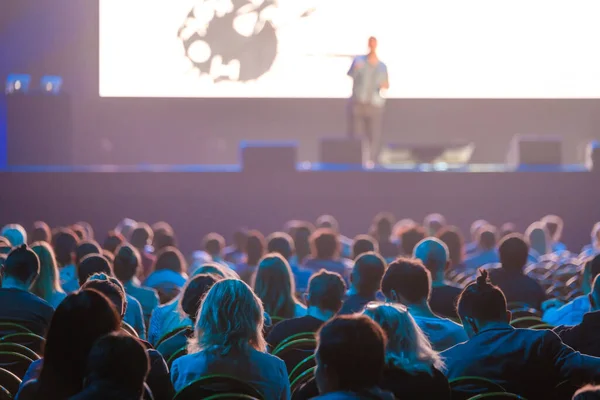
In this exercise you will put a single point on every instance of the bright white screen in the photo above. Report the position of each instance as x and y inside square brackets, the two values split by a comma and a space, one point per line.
[303, 48]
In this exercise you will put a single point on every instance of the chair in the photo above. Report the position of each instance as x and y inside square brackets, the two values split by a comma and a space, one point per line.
[9, 381]
[170, 335]
[179, 353]
[525, 312]
[297, 336]
[6, 328]
[513, 305]
[497, 396]
[465, 387]
[525, 322]
[18, 348]
[302, 379]
[232, 396]
[29, 340]
[125, 327]
[541, 326]
[15, 363]
[216, 384]
[5, 394]
[304, 365]
[294, 352]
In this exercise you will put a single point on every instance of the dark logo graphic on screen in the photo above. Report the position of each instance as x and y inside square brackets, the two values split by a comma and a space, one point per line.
[230, 40]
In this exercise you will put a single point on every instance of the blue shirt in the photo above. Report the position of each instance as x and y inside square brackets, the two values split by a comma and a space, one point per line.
[368, 79]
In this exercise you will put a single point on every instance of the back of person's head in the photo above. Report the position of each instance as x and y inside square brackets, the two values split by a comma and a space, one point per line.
[239, 238]
[367, 272]
[507, 228]
[554, 225]
[383, 224]
[328, 222]
[79, 231]
[119, 359]
[87, 228]
[408, 347]
[109, 287]
[255, 247]
[481, 301]
[125, 227]
[454, 241]
[194, 291]
[126, 263]
[85, 248]
[587, 392]
[93, 264]
[170, 258]
[325, 244]
[141, 236]
[79, 320]
[302, 234]
[538, 238]
[487, 237]
[15, 234]
[475, 226]
[40, 232]
[409, 238]
[363, 244]
[350, 354]
[214, 244]
[274, 285]
[326, 291]
[282, 243]
[48, 281]
[113, 241]
[22, 265]
[231, 316]
[433, 253]
[216, 269]
[64, 242]
[433, 223]
[164, 236]
[513, 252]
[406, 281]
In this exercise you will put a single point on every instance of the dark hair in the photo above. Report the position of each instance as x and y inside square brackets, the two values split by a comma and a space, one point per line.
[239, 238]
[141, 236]
[274, 284]
[120, 359]
[22, 264]
[513, 252]
[302, 234]
[5, 249]
[79, 320]
[64, 242]
[79, 231]
[326, 290]
[487, 237]
[255, 247]
[40, 233]
[109, 287]
[170, 258]
[593, 264]
[93, 264]
[383, 224]
[367, 273]
[454, 241]
[410, 237]
[481, 300]
[127, 262]
[85, 248]
[363, 244]
[194, 292]
[214, 244]
[282, 243]
[113, 241]
[408, 278]
[325, 244]
[353, 347]
[164, 236]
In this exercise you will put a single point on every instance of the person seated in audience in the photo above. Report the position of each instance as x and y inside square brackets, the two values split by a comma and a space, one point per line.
[193, 293]
[473, 246]
[301, 232]
[15, 234]
[539, 240]
[527, 362]
[80, 319]
[64, 243]
[18, 304]
[329, 222]
[516, 286]
[324, 299]
[433, 223]
[365, 282]
[413, 368]
[254, 251]
[40, 232]
[236, 253]
[275, 286]
[79, 232]
[593, 248]
[409, 238]
[169, 274]
[588, 392]
[325, 253]
[229, 340]
[486, 249]
[382, 233]
[87, 229]
[554, 225]
[351, 359]
[113, 241]
[408, 282]
[363, 244]
[572, 313]
[126, 266]
[116, 369]
[141, 239]
[435, 256]
[454, 241]
[85, 248]
[47, 285]
[164, 236]
[283, 244]
[214, 245]
[507, 228]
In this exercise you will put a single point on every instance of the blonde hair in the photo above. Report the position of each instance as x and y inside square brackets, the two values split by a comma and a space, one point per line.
[408, 348]
[274, 285]
[48, 281]
[231, 317]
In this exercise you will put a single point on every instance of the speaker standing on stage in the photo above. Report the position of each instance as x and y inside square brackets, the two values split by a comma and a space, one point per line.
[370, 76]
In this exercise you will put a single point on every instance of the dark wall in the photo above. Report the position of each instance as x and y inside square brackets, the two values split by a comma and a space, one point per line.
[61, 37]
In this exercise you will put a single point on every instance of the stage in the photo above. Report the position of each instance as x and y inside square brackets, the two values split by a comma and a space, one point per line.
[197, 199]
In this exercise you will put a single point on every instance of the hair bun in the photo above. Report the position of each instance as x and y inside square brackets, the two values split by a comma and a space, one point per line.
[482, 279]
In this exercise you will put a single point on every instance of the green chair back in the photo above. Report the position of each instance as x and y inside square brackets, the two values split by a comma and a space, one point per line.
[29, 340]
[497, 396]
[297, 336]
[301, 379]
[465, 387]
[212, 385]
[179, 353]
[6, 328]
[526, 322]
[231, 396]
[170, 335]
[304, 365]
[299, 344]
[19, 348]
[15, 363]
[9, 381]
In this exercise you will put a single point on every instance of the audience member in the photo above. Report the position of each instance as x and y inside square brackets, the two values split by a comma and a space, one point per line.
[229, 340]
[254, 251]
[113, 241]
[40, 232]
[554, 225]
[473, 246]
[413, 368]
[214, 245]
[15, 234]
[408, 282]
[435, 256]
[329, 222]
[87, 228]
[507, 228]
[93, 264]
[169, 274]
[539, 239]
[516, 286]
[587, 392]
[486, 249]
[365, 282]
[116, 369]
[236, 253]
[47, 285]
[363, 244]
[125, 227]
[64, 242]
[409, 239]
[433, 223]
[85, 248]
[454, 241]
[593, 248]
[324, 299]
[351, 359]
[164, 236]
[19, 305]
[325, 253]
[382, 232]
[78, 231]
[282, 243]
[301, 232]
[141, 239]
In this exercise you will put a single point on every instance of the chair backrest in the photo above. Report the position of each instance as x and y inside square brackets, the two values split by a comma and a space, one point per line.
[541, 326]
[294, 352]
[305, 364]
[179, 353]
[216, 384]
[525, 322]
[525, 312]
[301, 379]
[6, 328]
[15, 363]
[497, 396]
[230, 396]
[125, 327]
[513, 305]
[9, 381]
[297, 336]
[19, 348]
[170, 335]
[465, 387]
[29, 340]
[5, 394]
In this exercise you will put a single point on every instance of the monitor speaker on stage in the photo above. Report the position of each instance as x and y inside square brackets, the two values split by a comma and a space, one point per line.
[592, 159]
[340, 151]
[269, 156]
[535, 150]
